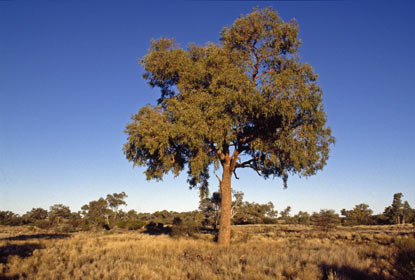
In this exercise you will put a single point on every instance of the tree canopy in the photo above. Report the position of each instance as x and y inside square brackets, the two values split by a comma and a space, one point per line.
[245, 102]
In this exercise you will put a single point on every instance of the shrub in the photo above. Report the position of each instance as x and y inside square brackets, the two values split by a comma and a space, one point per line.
[131, 224]
[187, 228]
[43, 224]
[64, 228]
[326, 220]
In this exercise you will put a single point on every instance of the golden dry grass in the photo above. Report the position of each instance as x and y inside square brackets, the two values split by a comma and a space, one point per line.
[257, 252]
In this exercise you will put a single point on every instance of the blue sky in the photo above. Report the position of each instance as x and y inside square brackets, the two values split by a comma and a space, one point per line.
[69, 82]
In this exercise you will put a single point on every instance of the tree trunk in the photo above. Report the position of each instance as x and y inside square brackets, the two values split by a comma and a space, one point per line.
[224, 237]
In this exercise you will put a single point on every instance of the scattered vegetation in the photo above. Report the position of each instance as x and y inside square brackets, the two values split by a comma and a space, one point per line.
[102, 241]
[256, 252]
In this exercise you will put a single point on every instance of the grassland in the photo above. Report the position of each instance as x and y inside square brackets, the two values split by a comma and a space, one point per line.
[257, 252]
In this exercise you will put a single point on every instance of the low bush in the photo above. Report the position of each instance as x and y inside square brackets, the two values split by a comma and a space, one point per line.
[131, 224]
[43, 224]
[187, 228]
[65, 228]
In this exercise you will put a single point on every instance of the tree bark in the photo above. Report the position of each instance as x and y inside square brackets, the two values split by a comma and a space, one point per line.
[224, 237]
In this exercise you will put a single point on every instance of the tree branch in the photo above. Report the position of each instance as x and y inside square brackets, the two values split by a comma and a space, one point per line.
[234, 173]
[246, 164]
[220, 182]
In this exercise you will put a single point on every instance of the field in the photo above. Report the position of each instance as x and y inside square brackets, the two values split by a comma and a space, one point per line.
[256, 252]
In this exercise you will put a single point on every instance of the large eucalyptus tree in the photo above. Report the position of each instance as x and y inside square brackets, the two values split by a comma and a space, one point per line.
[246, 102]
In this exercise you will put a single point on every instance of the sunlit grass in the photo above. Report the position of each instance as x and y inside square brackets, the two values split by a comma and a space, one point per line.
[257, 252]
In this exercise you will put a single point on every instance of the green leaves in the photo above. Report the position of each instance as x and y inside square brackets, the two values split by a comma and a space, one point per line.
[249, 95]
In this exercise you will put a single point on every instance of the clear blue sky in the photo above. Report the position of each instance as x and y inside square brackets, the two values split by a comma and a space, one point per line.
[69, 82]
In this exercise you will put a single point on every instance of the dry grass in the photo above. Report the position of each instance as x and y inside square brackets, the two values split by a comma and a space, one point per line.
[257, 252]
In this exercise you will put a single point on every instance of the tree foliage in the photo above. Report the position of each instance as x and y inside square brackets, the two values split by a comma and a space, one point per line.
[326, 219]
[302, 217]
[58, 212]
[96, 212]
[359, 215]
[246, 102]
[399, 212]
[255, 213]
[116, 200]
[250, 93]
[285, 214]
[8, 218]
[35, 215]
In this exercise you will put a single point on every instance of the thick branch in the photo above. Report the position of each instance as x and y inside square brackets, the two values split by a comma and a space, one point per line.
[246, 164]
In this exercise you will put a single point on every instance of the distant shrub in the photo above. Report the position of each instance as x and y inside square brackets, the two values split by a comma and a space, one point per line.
[64, 228]
[43, 224]
[131, 224]
[326, 220]
[268, 220]
[186, 228]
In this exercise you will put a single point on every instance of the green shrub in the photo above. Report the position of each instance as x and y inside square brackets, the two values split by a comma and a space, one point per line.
[131, 224]
[185, 228]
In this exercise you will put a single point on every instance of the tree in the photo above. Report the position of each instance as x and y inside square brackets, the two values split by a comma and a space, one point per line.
[285, 214]
[359, 215]
[395, 211]
[325, 219]
[34, 215]
[246, 102]
[210, 207]
[115, 200]
[97, 212]
[255, 213]
[58, 212]
[407, 213]
[8, 218]
[302, 218]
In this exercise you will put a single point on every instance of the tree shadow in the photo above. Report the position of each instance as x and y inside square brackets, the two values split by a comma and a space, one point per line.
[37, 236]
[347, 272]
[21, 250]
[14, 277]
[157, 229]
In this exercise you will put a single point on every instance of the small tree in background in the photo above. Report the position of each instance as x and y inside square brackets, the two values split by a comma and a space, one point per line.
[8, 218]
[326, 219]
[408, 213]
[115, 200]
[96, 212]
[359, 215]
[302, 218]
[35, 215]
[285, 214]
[395, 212]
[58, 212]
[210, 208]
[254, 213]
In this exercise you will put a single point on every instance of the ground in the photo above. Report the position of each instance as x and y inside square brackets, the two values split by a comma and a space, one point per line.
[256, 252]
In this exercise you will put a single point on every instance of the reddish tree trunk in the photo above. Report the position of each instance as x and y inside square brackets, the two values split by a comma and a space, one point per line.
[224, 237]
